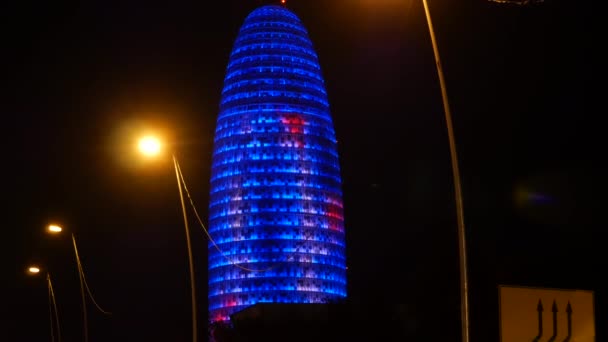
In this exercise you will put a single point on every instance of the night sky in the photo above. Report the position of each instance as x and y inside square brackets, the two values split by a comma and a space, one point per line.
[82, 80]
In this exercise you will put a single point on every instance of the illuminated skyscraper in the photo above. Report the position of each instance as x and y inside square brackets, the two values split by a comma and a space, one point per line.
[275, 208]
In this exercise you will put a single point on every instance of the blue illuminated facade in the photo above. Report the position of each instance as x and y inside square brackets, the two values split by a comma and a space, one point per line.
[275, 206]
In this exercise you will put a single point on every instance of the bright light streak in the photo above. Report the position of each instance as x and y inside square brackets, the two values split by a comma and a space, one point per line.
[53, 228]
[33, 270]
[149, 146]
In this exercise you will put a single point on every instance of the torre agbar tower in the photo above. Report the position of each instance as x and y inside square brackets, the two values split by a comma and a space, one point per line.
[275, 212]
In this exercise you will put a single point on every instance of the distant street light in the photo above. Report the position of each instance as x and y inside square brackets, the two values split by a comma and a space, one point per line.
[150, 146]
[33, 270]
[54, 324]
[56, 229]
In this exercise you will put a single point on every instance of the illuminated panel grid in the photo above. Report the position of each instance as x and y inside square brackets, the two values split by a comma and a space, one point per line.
[276, 200]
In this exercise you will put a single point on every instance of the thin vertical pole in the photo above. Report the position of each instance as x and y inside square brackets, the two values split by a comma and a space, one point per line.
[84, 303]
[48, 283]
[464, 310]
[54, 303]
[190, 262]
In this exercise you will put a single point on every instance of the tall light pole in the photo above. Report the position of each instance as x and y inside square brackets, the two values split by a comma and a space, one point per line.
[462, 247]
[34, 270]
[151, 146]
[56, 229]
[462, 250]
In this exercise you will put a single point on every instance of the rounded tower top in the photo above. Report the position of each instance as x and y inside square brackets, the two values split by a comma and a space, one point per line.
[273, 62]
[274, 19]
[265, 9]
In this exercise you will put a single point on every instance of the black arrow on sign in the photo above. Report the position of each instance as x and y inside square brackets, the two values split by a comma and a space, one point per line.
[539, 308]
[554, 310]
[569, 311]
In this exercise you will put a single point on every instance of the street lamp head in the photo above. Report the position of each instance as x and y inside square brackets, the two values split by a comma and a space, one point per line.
[54, 229]
[33, 270]
[149, 146]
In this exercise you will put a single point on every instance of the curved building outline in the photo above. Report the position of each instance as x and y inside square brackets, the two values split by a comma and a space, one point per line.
[275, 209]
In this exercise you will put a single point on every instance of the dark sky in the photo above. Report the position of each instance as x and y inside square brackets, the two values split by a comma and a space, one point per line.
[80, 80]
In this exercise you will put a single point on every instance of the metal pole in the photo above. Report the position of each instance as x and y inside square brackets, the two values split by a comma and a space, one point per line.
[190, 263]
[48, 284]
[464, 310]
[84, 303]
[54, 303]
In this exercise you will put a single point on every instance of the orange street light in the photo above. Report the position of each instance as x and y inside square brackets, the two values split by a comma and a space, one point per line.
[53, 313]
[151, 146]
[54, 229]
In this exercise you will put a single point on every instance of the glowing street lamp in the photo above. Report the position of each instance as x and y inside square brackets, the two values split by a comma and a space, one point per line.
[150, 146]
[56, 229]
[34, 270]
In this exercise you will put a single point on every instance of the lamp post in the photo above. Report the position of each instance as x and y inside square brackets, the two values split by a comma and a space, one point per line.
[57, 229]
[462, 247]
[34, 270]
[151, 146]
[462, 252]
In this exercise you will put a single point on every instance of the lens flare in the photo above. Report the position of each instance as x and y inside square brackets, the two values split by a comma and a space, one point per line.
[149, 146]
